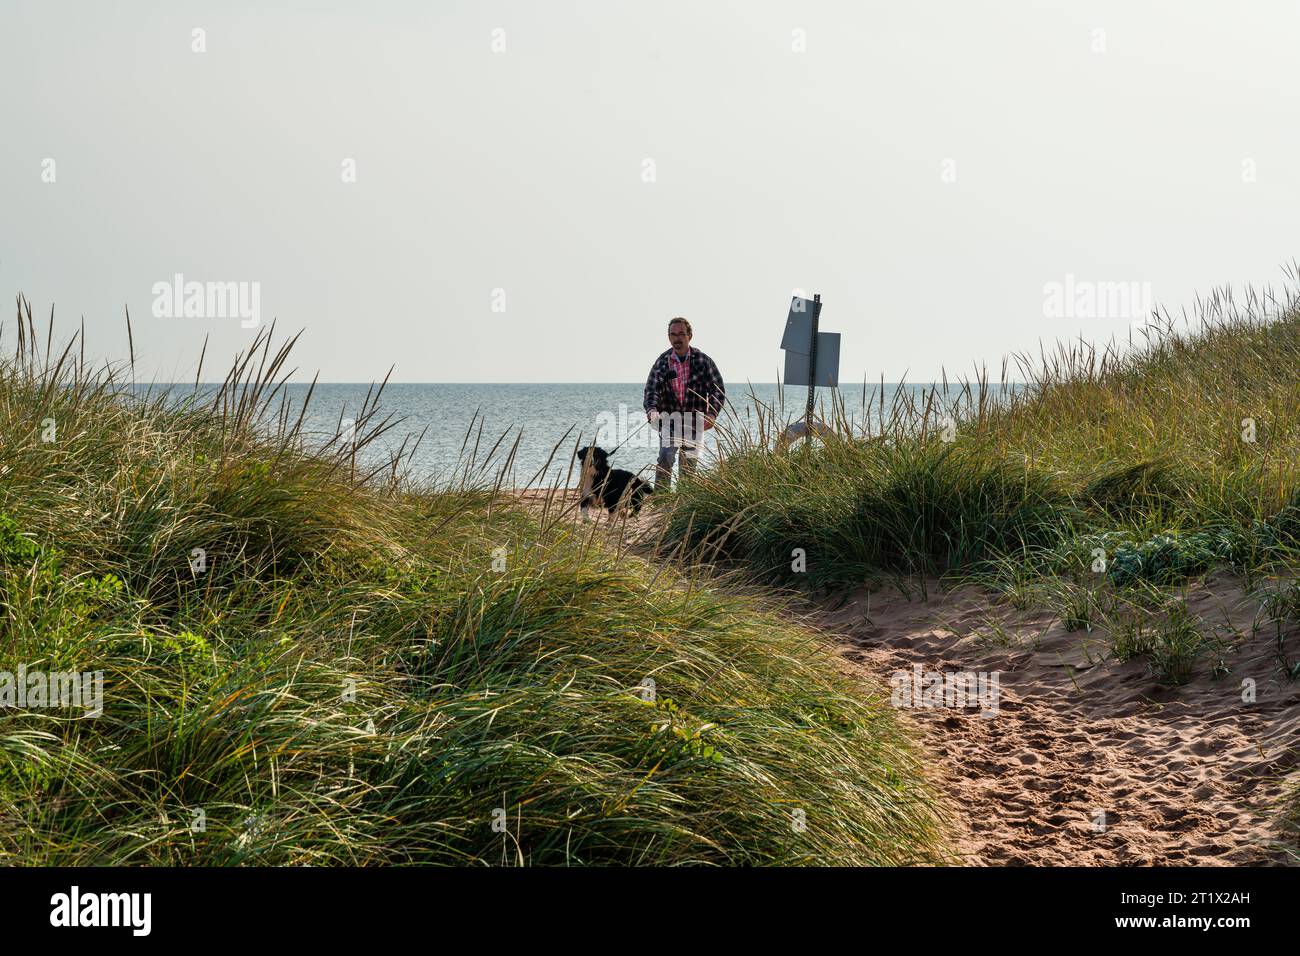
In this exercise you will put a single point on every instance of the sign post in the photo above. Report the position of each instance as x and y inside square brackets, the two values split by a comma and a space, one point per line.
[812, 367]
[812, 358]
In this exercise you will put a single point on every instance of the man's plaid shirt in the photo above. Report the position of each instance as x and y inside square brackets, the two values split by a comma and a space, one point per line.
[704, 389]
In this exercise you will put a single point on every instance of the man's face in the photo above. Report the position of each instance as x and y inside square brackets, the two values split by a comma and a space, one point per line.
[678, 338]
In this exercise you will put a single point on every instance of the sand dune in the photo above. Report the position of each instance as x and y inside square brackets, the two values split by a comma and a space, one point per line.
[1183, 775]
[1088, 760]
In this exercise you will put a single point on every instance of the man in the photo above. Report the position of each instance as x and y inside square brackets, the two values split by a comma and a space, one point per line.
[683, 397]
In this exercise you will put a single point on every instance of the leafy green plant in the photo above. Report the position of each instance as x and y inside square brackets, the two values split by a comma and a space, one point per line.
[1177, 645]
[1283, 607]
[1153, 625]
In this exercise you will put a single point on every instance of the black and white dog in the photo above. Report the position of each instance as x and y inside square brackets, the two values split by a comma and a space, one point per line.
[608, 488]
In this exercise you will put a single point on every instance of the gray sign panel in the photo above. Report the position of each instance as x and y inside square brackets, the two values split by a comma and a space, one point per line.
[798, 326]
[828, 362]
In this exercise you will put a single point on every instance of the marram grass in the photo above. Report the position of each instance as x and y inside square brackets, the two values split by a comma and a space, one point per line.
[1182, 431]
[1137, 466]
[358, 671]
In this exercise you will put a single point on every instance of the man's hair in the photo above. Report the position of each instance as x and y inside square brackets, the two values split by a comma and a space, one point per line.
[672, 322]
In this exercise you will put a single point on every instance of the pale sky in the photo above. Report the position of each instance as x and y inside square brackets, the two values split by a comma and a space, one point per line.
[927, 167]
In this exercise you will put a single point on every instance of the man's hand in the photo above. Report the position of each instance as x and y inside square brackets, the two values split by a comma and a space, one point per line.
[708, 423]
[652, 416]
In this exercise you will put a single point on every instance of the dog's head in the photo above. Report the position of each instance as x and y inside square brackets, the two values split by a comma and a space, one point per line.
[593, 457]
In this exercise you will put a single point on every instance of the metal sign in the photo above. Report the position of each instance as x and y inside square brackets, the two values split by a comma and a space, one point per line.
[828, 363]
[797, 341]
[812, 357]
[798, 326]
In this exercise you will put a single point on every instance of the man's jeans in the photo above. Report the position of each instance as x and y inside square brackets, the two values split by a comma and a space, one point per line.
[677, 436]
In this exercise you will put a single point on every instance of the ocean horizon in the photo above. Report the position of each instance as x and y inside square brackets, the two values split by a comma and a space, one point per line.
[468, 429]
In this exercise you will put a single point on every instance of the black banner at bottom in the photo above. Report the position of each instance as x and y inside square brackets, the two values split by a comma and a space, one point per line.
[338, 906]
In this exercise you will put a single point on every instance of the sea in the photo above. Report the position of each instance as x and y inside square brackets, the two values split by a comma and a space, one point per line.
[451, 433]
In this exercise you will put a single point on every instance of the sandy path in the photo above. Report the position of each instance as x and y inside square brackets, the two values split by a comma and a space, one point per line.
[1186, 775]
[1183, 775]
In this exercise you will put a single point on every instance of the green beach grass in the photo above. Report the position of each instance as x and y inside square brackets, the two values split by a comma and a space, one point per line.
[1097, 490]
[307, 665]
[1183, 432]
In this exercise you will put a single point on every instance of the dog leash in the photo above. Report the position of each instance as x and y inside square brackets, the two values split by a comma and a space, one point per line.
[629, 437]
